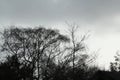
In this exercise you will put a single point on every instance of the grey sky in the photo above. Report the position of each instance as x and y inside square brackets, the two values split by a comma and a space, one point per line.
[100, 16]
[45, 11]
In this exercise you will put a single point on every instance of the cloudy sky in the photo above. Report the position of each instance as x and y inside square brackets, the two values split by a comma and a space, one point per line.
[100, 17]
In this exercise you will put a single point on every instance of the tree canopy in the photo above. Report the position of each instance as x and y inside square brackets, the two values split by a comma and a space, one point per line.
[46, 54]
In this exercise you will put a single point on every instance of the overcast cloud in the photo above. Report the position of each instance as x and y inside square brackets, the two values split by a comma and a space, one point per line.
[46, 11]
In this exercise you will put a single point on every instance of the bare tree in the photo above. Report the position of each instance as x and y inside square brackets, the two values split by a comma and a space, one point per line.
[75, 47]
[35, 47]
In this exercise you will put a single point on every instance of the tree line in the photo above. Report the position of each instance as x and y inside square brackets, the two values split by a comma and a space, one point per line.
[44, 54]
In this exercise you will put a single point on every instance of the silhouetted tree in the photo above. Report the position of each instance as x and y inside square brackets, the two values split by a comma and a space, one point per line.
[73, 65]
[34, 47]
[75, 54]
[12, 69]
[46, 54]
[115, 66]
[9, 69]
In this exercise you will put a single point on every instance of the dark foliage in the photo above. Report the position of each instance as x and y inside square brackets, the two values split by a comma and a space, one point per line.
[115, 66]
[12, 69]
[106, 75]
